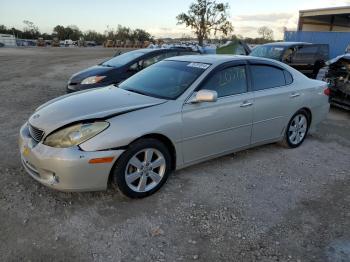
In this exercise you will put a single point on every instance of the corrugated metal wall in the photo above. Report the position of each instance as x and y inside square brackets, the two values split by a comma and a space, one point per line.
[338, 41]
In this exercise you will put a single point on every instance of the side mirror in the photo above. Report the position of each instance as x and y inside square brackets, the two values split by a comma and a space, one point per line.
[204, 96]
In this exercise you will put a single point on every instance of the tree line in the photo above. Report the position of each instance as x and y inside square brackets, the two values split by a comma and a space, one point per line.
[31, 31]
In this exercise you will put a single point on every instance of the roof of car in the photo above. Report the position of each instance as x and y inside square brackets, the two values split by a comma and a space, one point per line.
[286, 43]
[211, 59]
[149, 50]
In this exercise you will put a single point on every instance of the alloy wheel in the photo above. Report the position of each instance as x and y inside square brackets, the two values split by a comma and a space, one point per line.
[297, 129]
[145, 170]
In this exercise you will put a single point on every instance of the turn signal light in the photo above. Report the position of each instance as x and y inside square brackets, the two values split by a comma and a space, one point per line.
[101, 160]
[327, 91]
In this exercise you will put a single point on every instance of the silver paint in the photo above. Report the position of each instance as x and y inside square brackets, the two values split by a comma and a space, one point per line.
[198, 131]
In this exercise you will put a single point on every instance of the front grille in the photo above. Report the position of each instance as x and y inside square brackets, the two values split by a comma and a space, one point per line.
[36, 133]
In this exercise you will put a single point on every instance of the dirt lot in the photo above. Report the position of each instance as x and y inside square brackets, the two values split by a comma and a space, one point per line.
[264, 204]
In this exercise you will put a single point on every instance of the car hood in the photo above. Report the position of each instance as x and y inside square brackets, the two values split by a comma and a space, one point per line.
[86, 105]
[92, 71]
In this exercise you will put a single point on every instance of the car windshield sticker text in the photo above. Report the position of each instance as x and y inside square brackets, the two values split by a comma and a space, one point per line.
[199, 65]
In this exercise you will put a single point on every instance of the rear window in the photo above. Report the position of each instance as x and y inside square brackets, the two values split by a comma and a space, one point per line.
[268, 51]
[123, 59]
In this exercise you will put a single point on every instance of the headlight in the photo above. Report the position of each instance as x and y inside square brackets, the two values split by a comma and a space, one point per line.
[75, 134]
[92, 80]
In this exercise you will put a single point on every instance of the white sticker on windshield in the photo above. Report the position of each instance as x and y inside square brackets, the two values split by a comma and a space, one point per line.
[199, 65]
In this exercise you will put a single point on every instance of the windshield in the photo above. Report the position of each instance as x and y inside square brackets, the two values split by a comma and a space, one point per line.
[273, 52]
[123, 59]
[165, 79]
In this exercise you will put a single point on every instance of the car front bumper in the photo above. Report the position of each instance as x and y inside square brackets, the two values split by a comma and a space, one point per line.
[65, 169]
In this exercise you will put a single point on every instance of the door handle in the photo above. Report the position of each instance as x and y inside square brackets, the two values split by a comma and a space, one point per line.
[246, 104]
[293, 95]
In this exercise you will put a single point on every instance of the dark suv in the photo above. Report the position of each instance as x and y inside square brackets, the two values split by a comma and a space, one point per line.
[121, 67]
[305, 57]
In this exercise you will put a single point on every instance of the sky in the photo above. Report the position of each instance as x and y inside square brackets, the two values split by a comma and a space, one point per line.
[156, 16]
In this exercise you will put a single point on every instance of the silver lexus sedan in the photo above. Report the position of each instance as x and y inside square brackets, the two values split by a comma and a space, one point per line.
[176, 113]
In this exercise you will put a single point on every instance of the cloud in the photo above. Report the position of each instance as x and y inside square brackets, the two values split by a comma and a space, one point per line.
[247, 25]
[173, 32]
[267, 17]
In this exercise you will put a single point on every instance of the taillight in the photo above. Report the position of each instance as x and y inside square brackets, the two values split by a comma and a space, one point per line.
[327, 91]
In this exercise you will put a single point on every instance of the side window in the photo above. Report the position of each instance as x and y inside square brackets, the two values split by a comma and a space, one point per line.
[288, 55]
[135, 67]
[288, 77]
[323, 51]
[152, 60]
[229, 81]
[265, 77]
[305, 53]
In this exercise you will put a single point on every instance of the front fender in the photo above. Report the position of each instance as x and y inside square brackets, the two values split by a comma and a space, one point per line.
[164, 119]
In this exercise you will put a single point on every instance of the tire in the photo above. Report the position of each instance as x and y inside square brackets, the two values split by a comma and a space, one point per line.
[293, 139]
[142, 169]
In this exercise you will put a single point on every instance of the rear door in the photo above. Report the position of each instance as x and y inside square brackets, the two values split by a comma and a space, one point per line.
[212, 128]
[275, 100]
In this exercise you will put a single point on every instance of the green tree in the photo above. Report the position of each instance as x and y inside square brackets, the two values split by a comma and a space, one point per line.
[206, 17]
[69, 32]
[141, 35]
[92, 35]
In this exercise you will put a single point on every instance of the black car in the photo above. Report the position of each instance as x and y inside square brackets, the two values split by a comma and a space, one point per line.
[305, 57]
[121, 67]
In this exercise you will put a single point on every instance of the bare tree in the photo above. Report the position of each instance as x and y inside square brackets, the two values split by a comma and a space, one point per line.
[265, 33]
[31, 29]
[206, 17]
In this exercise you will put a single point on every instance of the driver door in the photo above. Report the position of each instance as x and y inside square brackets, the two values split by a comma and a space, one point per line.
[213, 128]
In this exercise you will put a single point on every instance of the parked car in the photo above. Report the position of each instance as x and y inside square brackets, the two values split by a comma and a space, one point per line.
[337, 74]
[235, 47]
[121, 67]
[175, 113]
[305, 57]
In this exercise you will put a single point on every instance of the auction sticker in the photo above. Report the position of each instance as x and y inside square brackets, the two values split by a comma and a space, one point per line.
[199, 65]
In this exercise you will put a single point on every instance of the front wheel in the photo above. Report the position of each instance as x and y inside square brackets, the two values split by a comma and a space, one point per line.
[143, 168]
[297, 129]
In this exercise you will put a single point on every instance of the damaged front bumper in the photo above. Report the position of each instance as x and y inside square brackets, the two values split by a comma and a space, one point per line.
[65, 169]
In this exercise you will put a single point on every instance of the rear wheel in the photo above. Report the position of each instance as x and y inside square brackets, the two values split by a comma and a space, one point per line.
[143, 168]
[297, 129]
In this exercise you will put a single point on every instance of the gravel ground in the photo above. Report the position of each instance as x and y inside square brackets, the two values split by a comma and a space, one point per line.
[263, 204]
